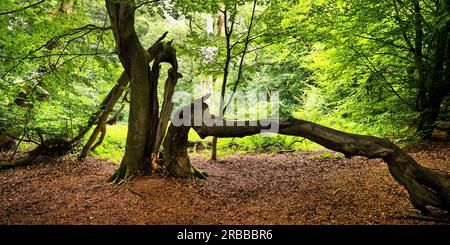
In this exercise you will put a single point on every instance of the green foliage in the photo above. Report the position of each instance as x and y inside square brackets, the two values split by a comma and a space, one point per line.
[262, 143]
[328, 155]
[345, 64]
[55, 68]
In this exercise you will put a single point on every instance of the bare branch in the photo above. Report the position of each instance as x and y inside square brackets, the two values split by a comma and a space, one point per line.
[142, 4]
[23, 8]
[366, 61]
[241, 62]
[387, 42]
[405, 36]
[88, 27]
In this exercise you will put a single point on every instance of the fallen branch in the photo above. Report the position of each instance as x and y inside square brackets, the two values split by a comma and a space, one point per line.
[136, 193]
[425, 186]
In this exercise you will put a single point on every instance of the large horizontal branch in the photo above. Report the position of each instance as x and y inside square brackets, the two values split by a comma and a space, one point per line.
[57, 54]
[349, 144]
[425, 186]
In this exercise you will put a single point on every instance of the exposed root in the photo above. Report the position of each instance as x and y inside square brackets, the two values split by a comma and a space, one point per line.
[201, 174]
[136, 193]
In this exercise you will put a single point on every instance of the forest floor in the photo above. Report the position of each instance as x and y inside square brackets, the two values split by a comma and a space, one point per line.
[285, 188]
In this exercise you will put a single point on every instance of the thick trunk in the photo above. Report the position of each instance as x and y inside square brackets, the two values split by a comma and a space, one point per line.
[135, 61]
[143, 117]
[428, 117]
[101, 116]
[425, 186]
[226, 69]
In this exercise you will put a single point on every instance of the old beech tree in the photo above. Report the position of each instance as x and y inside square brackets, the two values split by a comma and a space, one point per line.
[147, 123]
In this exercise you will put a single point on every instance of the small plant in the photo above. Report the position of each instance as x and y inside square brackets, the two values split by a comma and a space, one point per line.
[328, 155]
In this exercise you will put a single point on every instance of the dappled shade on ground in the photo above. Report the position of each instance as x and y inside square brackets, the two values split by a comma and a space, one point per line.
[289, 188]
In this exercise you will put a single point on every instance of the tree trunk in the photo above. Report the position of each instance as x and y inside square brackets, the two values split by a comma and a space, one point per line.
[101, 116]
[435, 78]
[226, 70]
[144, 119]
[172, 78]
[135, 61]
[425, 186]
[113, 97]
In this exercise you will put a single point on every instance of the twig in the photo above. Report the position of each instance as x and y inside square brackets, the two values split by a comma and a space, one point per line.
[23, 8]
[161, 38]
[142, 4]
[136, 193]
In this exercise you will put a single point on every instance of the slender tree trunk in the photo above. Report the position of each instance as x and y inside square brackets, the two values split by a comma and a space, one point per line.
[113, 97]
[172, 78]
[100, 140]
[229, 47]
[241, 62]
[116, 116]
[226, 70]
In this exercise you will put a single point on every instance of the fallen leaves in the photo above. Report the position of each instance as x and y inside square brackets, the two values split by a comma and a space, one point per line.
[287, 188]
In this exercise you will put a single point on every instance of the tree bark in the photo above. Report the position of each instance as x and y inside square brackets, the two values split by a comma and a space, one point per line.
[426, 187]
[135, 61]
[144, 112]
[172, 78]
[101, 116]
[113, 97]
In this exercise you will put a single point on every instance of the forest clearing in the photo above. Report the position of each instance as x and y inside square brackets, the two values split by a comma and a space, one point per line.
[225, 112]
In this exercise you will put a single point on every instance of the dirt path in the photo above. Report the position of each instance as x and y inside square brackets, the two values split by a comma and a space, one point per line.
[289, 188]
